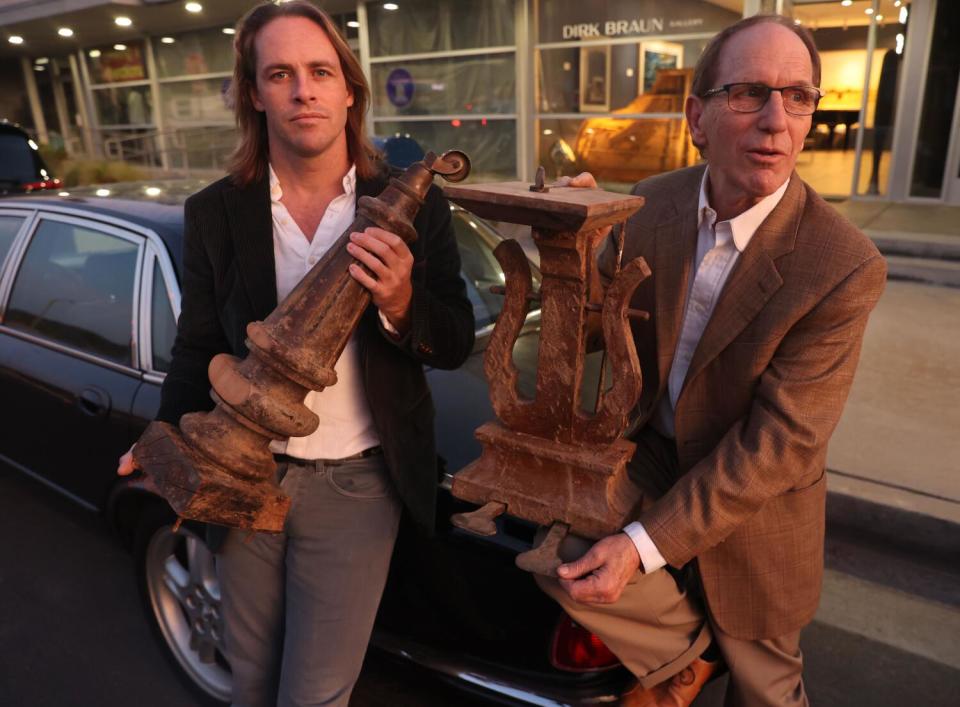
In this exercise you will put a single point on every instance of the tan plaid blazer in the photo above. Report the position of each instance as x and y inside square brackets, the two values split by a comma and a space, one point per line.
[763, 394]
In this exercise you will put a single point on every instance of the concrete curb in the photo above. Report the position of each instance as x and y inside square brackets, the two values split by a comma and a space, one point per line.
[905, 529]
[935, 246]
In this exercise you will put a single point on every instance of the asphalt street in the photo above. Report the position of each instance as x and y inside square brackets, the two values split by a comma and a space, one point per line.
[72, 632]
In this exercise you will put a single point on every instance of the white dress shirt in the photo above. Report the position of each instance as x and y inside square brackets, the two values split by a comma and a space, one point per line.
[719, 245]
[346, 425]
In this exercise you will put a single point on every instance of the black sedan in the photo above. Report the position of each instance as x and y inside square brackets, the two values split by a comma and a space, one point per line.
[89, 299]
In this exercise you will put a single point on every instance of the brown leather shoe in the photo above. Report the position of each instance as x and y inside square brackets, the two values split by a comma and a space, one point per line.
[678, 691]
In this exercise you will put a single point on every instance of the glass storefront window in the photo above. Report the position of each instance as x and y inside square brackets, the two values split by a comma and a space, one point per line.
[112, 65]
[467, 84]
[418, 26]
[630, 78]
[617, 151]
[205, 52]
[576, 20]
[491, 144]
[184, 103]
[123, 105]
[939, 99]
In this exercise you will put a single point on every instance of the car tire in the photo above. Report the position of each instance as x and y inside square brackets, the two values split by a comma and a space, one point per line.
[180, 592]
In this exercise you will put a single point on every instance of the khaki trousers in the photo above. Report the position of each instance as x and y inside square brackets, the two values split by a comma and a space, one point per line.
[657, 628]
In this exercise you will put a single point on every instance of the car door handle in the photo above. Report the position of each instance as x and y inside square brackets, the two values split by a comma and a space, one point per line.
[93, 402]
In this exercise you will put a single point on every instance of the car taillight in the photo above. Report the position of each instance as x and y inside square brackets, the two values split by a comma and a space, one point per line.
[576, 650]
[45, 184]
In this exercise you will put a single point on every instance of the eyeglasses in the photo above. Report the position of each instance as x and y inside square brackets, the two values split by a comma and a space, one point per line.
[752, 97]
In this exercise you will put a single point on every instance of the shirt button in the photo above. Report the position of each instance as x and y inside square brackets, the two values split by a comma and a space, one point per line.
[312, 259]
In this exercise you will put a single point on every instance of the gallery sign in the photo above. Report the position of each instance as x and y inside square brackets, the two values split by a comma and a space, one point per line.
[575, 20]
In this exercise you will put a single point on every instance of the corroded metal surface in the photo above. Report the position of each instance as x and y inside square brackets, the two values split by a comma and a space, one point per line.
[547, 460]
[217, 467]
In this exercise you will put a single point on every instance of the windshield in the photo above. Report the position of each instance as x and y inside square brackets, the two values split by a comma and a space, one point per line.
[479, 267]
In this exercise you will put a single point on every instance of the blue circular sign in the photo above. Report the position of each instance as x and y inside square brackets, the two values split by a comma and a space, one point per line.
[400, 87]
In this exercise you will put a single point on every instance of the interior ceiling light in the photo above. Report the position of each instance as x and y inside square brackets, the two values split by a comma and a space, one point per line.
[903, 15]
[120, 47]
[43, 60]
[879, 17]
[39, 68]
[167, 40]
[390, 6]
[194, 7]
[94, 53]
[868, 11]
[353, 23]
[229, 30]
[847, 3]
[122, 21]
[65, 32]
[15, 39]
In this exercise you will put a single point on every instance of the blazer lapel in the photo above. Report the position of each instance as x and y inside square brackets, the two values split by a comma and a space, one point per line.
[675, 244]
[251, 226]
[754, 280]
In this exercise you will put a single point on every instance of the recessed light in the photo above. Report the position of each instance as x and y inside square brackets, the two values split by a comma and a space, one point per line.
[65, 32]
[353, 23]
[868, 11]
[94, 54]
[120, 47]
[39, 68]
[102, 192]
[152, 191]
[229, 30]
[167, 40]
[42, 60]
[122, 21]
[879, 17]
[390, 6]
[193, 7]
[15, 39]
[846, 3]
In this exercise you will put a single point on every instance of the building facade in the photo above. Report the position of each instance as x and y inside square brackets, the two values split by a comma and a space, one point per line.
[567, 84]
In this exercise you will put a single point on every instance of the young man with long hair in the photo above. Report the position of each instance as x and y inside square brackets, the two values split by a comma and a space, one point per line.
[299, 605]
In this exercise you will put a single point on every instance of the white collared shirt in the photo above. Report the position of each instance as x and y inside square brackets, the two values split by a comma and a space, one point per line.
[719, 245]
[346, 425]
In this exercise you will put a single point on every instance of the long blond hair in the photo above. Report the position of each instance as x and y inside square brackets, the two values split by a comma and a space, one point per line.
[248, 163]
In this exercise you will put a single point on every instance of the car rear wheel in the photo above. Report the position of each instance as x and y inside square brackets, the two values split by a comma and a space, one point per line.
[181, 594]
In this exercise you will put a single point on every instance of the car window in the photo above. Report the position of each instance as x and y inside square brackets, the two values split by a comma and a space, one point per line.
[18, 164]
[163, 325]
[478, 266]
[75, 287]
[9, 227]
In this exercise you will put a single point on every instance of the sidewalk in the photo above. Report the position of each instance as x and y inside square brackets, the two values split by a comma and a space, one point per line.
[895, 457]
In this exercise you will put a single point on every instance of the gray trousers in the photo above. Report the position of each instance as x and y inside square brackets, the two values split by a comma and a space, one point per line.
[299, 606]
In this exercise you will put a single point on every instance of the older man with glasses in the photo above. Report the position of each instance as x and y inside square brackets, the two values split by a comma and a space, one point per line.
[759, 299]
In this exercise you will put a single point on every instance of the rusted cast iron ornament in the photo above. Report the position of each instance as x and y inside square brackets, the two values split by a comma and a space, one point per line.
[547, 460]
[217, 467]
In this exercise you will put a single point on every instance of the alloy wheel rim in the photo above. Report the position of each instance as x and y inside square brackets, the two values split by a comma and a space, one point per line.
[185, 598]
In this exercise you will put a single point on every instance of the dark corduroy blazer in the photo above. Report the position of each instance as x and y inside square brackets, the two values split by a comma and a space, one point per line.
[763, 393]
[229, 280]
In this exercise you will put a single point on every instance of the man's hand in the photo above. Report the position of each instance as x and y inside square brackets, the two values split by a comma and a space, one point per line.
[600, 576]
[127, 464]
[388, 258]
[585, 180]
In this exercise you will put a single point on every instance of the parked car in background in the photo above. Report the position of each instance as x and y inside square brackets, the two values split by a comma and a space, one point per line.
[22, 169]
[89, 299]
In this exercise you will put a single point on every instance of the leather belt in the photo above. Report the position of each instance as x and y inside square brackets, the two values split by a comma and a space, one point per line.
[369, 452]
